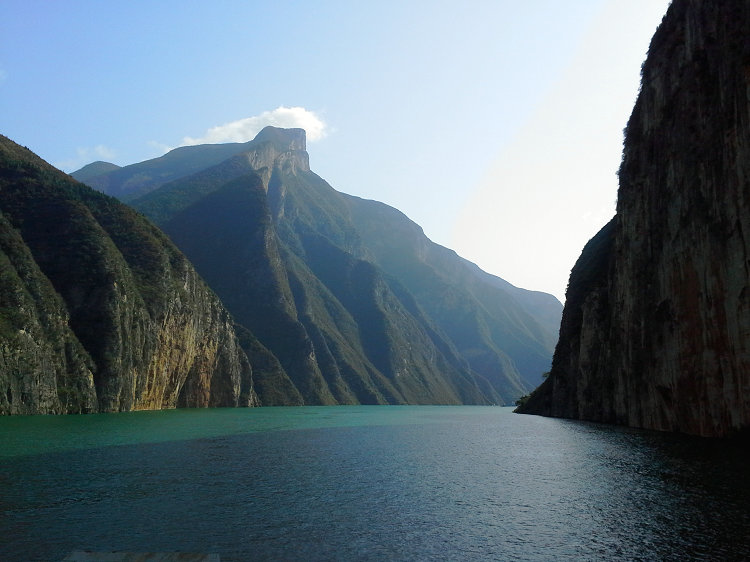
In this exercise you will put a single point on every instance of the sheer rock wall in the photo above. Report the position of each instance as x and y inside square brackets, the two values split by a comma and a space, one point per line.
[656, 326]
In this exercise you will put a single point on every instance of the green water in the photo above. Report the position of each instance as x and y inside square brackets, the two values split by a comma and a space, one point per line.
[33, 435]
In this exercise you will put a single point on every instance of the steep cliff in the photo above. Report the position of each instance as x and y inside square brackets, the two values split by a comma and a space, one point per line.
[656, 327]
[98, 310]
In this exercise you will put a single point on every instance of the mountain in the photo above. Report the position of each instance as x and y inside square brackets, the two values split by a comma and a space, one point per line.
[99, 311]
[90, 171]
[656, 327]
[350, 296]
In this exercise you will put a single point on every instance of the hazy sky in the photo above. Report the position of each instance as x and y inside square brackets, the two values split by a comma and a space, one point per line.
[496, 125]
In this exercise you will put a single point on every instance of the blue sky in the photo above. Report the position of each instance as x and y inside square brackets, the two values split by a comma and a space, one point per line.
[496, 125]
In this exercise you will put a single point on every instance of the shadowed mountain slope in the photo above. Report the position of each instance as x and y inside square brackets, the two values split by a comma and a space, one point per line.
[496, 326]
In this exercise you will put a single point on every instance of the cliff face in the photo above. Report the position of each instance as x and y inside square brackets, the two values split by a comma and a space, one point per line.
[656, 327]
[100, 312]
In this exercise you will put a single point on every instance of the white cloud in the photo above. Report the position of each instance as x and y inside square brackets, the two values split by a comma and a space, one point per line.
[245, 130]
[86, 155]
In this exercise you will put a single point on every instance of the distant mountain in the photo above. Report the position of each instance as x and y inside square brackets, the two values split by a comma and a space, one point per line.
[357, 305]
[99, 311]
[90, 171]
[499, 328]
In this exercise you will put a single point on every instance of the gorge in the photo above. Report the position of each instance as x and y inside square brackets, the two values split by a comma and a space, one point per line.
[330, 299]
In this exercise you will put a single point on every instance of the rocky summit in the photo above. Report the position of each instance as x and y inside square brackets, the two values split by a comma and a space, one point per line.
[656, 327]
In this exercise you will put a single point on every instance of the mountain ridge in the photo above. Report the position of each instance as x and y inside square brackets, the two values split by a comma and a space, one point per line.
[135, 180]
[309, 220]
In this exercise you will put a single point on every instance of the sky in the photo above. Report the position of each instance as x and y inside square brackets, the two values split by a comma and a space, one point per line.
[496, 125]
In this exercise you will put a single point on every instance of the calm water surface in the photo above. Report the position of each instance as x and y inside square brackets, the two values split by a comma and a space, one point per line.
[366, 483]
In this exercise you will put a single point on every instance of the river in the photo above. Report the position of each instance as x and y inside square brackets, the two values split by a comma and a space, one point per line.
[367, 483]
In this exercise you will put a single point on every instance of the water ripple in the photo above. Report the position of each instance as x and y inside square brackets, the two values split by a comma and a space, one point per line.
[361, 483]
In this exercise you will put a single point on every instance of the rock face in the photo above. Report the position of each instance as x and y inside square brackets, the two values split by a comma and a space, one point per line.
[348, 299]
[656, 326]
[98, 310]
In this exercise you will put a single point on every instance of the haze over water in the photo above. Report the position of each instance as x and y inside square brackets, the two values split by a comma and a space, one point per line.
[366, 483]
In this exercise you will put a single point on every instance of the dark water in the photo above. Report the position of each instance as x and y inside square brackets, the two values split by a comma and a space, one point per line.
[367, 483]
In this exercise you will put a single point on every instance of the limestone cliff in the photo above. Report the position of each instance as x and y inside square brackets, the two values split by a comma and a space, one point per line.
[98, 310]
[656, 327]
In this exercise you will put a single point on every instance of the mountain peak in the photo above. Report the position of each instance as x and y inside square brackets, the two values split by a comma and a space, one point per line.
[291, 139]
[94, 169]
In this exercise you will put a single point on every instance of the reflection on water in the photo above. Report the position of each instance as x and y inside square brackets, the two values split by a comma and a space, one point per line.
[362, 483]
